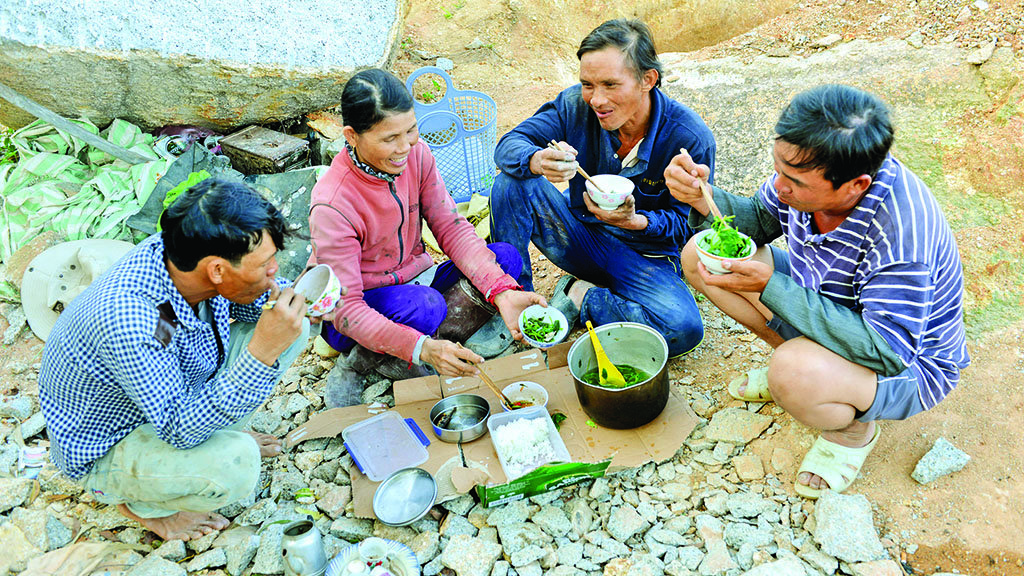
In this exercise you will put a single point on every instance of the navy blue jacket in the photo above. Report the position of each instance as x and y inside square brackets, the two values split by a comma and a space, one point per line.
[568, 118]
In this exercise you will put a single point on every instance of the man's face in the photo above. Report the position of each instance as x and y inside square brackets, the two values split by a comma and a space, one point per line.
[253, 276]
[808, 190]
[612, 91]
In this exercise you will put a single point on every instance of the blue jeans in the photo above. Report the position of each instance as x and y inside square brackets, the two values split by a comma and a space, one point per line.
[633, 288]
[420, 307]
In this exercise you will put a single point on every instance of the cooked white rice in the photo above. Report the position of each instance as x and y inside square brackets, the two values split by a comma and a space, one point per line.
[525, 445]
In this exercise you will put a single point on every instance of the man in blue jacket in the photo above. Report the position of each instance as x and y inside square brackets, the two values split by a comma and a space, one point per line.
[623, 263]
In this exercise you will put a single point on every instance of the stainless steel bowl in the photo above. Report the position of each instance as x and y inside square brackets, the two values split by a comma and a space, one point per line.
[628, 343]
[460, 418]
[404, 497]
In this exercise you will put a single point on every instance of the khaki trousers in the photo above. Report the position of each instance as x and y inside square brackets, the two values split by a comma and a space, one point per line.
[155, 479]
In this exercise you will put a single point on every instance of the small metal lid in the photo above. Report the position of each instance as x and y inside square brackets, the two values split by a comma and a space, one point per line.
[404, 497]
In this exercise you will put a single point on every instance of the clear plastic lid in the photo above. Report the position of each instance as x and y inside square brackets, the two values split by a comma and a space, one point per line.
[385, 443]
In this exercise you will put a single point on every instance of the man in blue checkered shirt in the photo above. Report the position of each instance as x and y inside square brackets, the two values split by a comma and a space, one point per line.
[865, 307]
[146, 381]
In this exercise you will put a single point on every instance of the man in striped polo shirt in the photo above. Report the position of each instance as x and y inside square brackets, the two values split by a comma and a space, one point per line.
[864, 310]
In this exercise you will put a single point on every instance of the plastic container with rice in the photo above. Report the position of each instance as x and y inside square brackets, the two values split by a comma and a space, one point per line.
[525, 439]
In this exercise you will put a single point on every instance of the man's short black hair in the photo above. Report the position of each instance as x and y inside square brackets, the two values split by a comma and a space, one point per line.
[219, 218]
[633, 38]
[842, 130]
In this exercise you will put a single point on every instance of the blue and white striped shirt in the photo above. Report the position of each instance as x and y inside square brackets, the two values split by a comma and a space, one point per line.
[895, 262]
[104, 371]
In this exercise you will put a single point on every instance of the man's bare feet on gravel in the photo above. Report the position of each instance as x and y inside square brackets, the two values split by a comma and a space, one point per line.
[180, 526]
[269, 444]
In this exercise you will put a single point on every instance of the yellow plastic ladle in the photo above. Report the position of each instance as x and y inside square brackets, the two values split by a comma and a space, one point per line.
[607, 373]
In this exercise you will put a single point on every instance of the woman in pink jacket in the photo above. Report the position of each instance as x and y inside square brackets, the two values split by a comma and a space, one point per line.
[366, 219]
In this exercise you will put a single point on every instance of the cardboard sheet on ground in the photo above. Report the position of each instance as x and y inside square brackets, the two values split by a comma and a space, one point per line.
[655, 441]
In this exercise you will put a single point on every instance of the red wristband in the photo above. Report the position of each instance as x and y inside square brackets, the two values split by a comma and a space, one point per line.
[498, 289]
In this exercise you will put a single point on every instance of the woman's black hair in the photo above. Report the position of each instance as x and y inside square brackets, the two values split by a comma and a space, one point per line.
[633, 38]
[842, 130]
[372, 95]
[219, 218]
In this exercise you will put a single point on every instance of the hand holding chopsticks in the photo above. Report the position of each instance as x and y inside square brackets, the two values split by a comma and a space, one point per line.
[678, 176]
[554, 146]
[490, 383]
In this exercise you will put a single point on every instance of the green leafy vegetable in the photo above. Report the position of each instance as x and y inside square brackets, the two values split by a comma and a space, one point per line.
[629, 374]
[558, 418]
[541, 328]
[725, 241]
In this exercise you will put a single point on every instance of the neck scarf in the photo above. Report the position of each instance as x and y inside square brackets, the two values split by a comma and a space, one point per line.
[366, 167]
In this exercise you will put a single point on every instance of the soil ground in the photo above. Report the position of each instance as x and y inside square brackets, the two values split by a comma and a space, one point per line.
[522, 53]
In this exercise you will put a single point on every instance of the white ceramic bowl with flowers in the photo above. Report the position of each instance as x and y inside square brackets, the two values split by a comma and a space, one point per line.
[321, 289]
[614, 190]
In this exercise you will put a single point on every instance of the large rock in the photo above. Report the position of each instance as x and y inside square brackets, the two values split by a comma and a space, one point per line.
[41, 528]
[784, 567]
[17, 549]
[942, 459]
[469, 556]
[624, 522]
[178, 63]
[240, 545]
[845, 528]
[736, 426]
[154, 565]
[14, 492]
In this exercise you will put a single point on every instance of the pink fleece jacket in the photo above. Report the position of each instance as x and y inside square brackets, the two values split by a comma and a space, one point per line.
[370, 233]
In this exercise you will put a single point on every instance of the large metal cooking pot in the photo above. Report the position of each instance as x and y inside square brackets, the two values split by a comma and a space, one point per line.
[629, 343]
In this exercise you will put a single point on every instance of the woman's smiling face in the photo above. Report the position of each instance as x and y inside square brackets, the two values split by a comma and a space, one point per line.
[386, 145]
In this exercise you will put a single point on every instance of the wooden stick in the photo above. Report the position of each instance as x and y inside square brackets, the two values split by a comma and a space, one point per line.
[554, 146]
[494, 387]
[709, 197]
[707, 192]
[43, 113]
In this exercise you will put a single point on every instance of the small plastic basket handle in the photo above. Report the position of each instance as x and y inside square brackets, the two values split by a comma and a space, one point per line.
[424, 107]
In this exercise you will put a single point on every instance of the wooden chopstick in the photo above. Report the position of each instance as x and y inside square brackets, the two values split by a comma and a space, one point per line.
[705, 189]
[490, 384]
[708, 193]
[494, 387]
[554, 146]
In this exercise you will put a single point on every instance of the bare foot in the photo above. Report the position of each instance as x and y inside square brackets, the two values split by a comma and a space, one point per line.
[578, 290]
[180, 526]
[269, 444]
[856, 435]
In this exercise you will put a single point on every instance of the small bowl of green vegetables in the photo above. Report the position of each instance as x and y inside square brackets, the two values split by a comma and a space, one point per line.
[722, 243]
[543, 327]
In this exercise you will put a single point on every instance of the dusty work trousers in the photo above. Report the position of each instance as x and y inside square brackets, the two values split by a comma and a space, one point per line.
[634, 287]
[155, 479]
